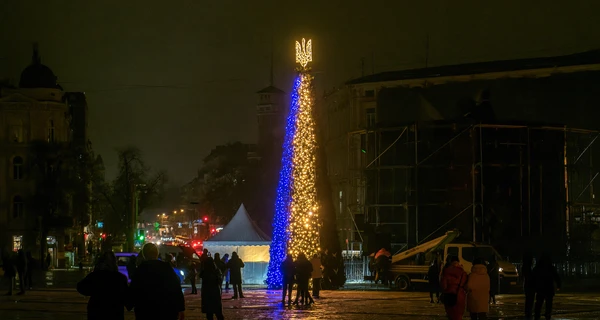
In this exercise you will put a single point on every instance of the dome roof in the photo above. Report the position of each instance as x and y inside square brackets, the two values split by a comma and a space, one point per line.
[37, 75]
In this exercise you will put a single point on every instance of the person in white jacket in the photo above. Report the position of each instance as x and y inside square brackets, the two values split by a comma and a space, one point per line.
[317, 275]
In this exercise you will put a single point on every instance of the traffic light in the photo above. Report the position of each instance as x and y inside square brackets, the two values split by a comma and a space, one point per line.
[141, 235]
[205, 219]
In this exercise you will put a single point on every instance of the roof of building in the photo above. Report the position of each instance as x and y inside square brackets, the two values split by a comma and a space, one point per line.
[270, 89]
[37, 75]
[589, 57]
[241, 228]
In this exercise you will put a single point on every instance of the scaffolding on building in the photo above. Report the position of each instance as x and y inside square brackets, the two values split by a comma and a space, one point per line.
[497, 183]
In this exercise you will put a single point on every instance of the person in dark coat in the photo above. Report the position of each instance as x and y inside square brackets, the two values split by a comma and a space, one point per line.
[48, 261]
[21, 264]
[107, 289]
[29, 272]
[155, 290]
[528, 284]
[222, 269]
[203, 258]
[547, 282]
[131, 266]
[494, 274]
[10, 272]
[433, 275]
[235, 266]
[227, 274]
[288, 271]
[303, 273]
[211, 290]
[192, 275]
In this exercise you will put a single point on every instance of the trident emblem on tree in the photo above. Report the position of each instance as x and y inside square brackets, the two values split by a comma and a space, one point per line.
[304, 52]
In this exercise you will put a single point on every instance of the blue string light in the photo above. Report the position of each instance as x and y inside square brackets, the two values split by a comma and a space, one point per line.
[282, 206]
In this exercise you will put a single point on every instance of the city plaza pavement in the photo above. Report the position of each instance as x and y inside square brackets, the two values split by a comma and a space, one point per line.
[56, 303]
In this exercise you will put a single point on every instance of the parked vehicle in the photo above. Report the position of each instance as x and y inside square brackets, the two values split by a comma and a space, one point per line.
[123, 258]
[189, 255]
[411, 266]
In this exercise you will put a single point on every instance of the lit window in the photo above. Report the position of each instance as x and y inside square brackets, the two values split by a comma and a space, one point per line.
[51, 131]
[16, 132]
[17, 207]
[17, 243]
[17, 168]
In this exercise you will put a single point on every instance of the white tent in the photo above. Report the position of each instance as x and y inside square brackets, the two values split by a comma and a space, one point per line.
[243, 236]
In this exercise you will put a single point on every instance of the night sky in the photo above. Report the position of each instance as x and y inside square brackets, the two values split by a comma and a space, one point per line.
[176, 78]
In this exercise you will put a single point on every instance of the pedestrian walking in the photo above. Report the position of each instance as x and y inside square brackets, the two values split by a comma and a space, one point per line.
[494, 273]
[10, 272]
[433, 275]
[29, 271]
[288, 271]
[227, 274]
[453, 283]
[528, 284]
[235, 266]
[107, 289]
[547, 282]
[192, 276]
[155, 290]
[211, 290]
[222, 269]
[478, 290]
[303, 273]
[21, 264]
[317, 275]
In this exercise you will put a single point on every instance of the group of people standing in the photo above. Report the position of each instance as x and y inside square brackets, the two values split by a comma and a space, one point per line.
[155, 290]
[22, 265]
[477, 290]
[300, 272]
[229, 271]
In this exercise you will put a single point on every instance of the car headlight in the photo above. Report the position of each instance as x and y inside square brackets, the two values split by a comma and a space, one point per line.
[500, 269]
[181, 273]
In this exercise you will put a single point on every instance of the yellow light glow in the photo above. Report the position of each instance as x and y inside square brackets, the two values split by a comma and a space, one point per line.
[304, 52]
[304, 218]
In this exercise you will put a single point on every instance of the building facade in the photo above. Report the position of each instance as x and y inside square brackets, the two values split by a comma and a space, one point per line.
[36, 132]
[383, 133]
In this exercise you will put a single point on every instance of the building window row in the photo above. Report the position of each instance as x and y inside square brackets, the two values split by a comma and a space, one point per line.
[16, 132]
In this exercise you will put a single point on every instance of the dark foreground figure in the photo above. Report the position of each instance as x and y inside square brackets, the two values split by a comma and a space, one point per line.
[155, 291]
[546, 282]
[107, 289]
[211, 290]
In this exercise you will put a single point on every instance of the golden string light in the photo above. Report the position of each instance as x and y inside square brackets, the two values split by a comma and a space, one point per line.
[303, 225]
[304, 52]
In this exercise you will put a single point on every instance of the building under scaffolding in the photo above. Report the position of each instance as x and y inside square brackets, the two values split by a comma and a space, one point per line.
[505, 184]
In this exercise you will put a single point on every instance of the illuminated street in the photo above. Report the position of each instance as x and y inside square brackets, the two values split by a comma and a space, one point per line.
[261, 304]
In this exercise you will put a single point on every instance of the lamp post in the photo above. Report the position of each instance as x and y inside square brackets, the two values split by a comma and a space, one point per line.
[135, 207]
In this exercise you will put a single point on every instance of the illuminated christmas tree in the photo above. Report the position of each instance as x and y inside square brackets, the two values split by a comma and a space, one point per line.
[296, 223]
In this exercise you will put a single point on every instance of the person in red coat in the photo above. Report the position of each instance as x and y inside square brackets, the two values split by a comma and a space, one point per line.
[454, 279]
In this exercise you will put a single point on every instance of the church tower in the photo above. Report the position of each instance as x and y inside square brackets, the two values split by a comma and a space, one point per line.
[270, 113]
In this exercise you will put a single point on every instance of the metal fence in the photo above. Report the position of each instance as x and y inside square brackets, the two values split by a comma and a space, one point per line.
[574, 269]
[356, 269]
